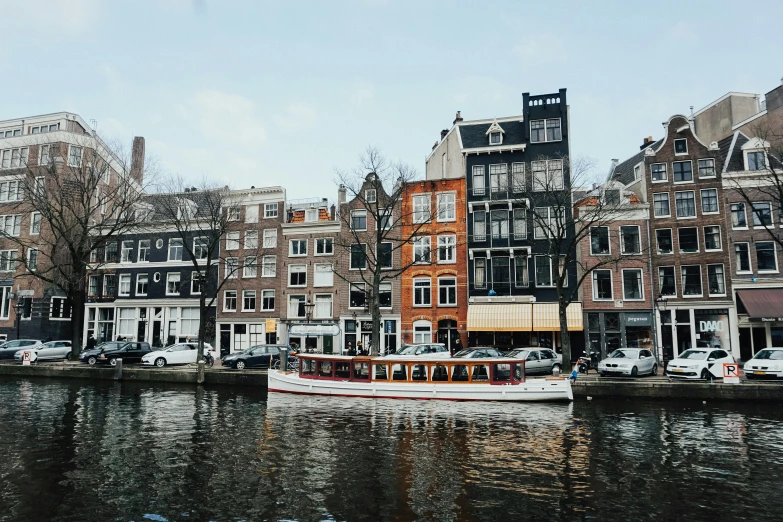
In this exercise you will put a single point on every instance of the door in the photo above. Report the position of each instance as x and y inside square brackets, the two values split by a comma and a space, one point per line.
[646, 363]
[156, 340]
[134, 353]
[141, 330]
[328, 346]
[225, 339]
[533, 362]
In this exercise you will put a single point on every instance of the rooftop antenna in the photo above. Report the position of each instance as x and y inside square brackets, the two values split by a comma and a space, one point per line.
[691, 111]
[94, 124]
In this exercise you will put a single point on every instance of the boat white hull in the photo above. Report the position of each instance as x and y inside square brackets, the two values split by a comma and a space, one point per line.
[530, 390]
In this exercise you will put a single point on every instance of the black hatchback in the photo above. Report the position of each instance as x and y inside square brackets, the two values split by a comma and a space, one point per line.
[130, 352]
[263, 356]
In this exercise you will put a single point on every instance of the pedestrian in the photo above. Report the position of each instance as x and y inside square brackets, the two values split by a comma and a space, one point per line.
[359, 347]
[456, 347]
[91, 342]
[351, 351]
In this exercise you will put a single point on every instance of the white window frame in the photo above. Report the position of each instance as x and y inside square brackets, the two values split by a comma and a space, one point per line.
[33, 215]
[391, 255]
[674, 277]
[169, 279]
[370, 195]
[723, 273]
[323, 299]
[265, 263]
[698, 241]
[231, 268]
[447, 211]
[251, 213]
[744, 212]
[671, 235]
[422, 332]
[323, 241]
[357, 213]
[251, 240]
[451, 239]
[196, 277]
[79, 160]
[456, 298]
[270, 238]
[234, 213]
[674, 146]
[750, 260]
[181, 250]
[774, 254]
[665, 173]
[350, 257]
[250, 267]
[428, 280]
[693, 177]
[247, 294]
[682, 283]
[753, 214]
[720, 238]
[226, 298]
[478, 172]
[271, 210]
[608, 240]
[499, 136]
[622, 240]
[422, 208]
[138, 281]
[126, 278]
[641, 282]
[754, 151]
[263, 297]
[552, 282]
[299, 242]
[698, 166]
[695, 206]
[595, 287]
[146, 249]
[299, 269]
[232, 240]
[717, 200]
[668, 204]
[422, 242]
[325, 282]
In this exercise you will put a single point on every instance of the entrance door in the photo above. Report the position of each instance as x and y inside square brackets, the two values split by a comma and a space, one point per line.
[225, 339]
[142, 330]
[328, 344]
[447, 333]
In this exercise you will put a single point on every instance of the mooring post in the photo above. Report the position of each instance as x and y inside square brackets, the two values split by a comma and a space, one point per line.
[200, 377]
[118, 369]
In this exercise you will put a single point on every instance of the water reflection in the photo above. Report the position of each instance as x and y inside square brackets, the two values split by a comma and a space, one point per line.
[123, 451]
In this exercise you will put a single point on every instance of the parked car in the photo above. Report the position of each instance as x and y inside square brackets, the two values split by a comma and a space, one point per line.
[537, 360]
[91, 356]
[262, 356]
[130, 352]
[696, 363]
[9, 348]
[425, 351]
[628, 361]
[766, 363]
[478, 351]
[181, 353]
[48, 351]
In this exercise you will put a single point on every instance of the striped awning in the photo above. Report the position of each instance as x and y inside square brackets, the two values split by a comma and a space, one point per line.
[546, 317]
[501, 317]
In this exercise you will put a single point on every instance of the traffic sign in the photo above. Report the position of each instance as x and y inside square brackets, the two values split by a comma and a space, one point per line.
[27, 356]
[731, 373]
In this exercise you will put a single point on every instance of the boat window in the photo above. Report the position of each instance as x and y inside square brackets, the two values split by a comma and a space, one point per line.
[361, 370]
[324, 368]
[342, 370]
[380, 373]
[501, 373]
[308, 367]
[518, 372]
[419, 372]
[399, 372]
[480, 372]
[440, 373]
[459, 372]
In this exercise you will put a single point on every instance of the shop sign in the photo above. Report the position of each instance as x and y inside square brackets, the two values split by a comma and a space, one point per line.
[767, 319]
[271, 325]
[711, 326]
[640, 319]
[314, 329]
[366, 326]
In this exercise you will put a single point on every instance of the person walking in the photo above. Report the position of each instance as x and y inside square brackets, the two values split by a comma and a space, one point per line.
[456, 346]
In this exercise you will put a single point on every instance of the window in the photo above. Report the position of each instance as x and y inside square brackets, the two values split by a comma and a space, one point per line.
[35, 223]
[499, 223]
[357, 295]
[197, 280]
[267, 300]
[189, 321]
[324, 246]
[447, 249]
[109, 285]
[268, 266]
[495, 138]
[689, 239]
[631, 241]
[359, 220]
[358, 256]
[756, 161]
[248, 300]
[447, 291]
[323, 306]
[370, 196]
[658, 172]
[421, 208]
[126, 250]
[232, 267]
[446, 207]
[270, 238]
[661, 204]
[666, 281]
[765, 256]
[142, 282]
[553, 130]
[250, 267]
[602, 285]
[323, 275]
[230, 301]
[12, 225]
[715, 281]
[251, 214]
[422, 292]
[521, 271]
[547, 175]
[709, 201]
[706, 168]
[422, 332]
[599, 241]
[296, 306]
[544, 271]
[479, 182]
[501, 274]
[311, 215]
[480, 272]
[8, 260]
[682, 171]
[742, 256]
[712, 238]
[40, 186]
[637, 172]
[421, 250]
[685, 203]
[384, 219]
[518, 177]
[479, 226]
[234, 213]
[111, 252]
[663, 238]
[385, 255]
[498, 178]
[691, 280]
[125, 284]
[612, 197]
[46, 155]
[144, 250]
[520, 223]
[10, 191]
[14, 158]
[74, 156]
[251, 239]
[681, 146]
[61, 309]
[537, 131]
[32, 259]
[297, 275]
[633, 288]
[172, 283]
[297, 247]
[762, 214]
[270, 210]
[92, 285]
[175, 249]
[232, 241]
[738, 218]
[385, 295]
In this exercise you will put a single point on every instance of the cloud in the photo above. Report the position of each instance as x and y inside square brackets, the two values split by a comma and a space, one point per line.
[361, 93]
[225, 118]
[71, 16]
[297, 116]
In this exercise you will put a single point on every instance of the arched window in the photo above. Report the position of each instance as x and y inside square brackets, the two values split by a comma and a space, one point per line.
[422, 332]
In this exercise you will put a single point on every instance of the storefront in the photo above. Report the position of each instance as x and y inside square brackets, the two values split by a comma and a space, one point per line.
[760, 320]
[607, 331]
[314, 337]
[236, 336]
[685, 328]
[358, 329]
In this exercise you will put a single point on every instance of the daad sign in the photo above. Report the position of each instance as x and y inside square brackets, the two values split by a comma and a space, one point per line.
[314, 329]
[731, 373]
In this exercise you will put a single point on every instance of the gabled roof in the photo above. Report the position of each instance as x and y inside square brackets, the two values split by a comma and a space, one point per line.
[475, 135]
[730, 150]
[495, 127]
[623, 172]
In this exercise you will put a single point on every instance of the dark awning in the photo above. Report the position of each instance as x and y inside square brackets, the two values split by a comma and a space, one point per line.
[763, 304]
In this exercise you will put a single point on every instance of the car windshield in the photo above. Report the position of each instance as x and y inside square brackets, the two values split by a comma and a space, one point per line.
[408, 350]
[623, 354]
[463, 353]
[774, 355]
[698, 355]
[521, 354]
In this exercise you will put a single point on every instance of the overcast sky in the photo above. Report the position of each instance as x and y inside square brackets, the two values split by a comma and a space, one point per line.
[283, 93]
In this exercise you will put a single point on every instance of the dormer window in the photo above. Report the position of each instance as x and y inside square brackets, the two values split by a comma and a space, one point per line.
[612, 197]
[756, 160]
[311, 214]
[755, 154]
[495, 138]
[370, 195]
[681, 146]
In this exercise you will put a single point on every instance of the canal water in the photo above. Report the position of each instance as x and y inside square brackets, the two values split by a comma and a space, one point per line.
[76, 451]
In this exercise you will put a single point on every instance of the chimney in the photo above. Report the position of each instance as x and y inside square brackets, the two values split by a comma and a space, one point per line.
[137, 159]
[331, 212]
[436, 144]
[458, 118]
[443, 133]
[647, 142]
[290, 216]
[341, 196]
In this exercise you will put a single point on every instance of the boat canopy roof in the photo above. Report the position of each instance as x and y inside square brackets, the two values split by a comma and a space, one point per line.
[413, 359]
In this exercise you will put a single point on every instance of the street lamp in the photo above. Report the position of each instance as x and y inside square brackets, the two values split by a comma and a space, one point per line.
[660, 305]
[308, 306]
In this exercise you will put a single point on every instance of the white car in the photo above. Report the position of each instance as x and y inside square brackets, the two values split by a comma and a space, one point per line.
[47, 351]
[699, 363]
[423, 351]
[181, 353]
[629, 361]
[766, 363]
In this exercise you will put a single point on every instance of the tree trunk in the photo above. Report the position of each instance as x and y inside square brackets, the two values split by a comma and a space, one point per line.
[77, 322]
[376, 315]
[565, 338]
[202, 324]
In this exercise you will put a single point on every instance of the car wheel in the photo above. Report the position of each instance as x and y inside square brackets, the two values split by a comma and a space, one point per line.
[749, 376]
[113, 362]
[634, 371]
[91, 360]
[240, 365]
[555, 367]
[160, 362]
[705, 374]
[654, 371]
[602, 374]
[67, 356]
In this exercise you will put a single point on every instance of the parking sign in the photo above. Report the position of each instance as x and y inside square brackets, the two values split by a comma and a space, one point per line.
[731, 373]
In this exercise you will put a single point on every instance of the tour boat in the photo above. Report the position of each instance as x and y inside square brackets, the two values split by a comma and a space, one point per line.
[483, 379]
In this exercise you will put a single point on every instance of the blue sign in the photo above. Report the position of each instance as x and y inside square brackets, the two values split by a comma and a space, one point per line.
[388, 326]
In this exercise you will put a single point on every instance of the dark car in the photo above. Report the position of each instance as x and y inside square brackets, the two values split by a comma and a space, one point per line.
[129, 353]
[477, 352]
[91, 356]
[263, 356]
[8, 349]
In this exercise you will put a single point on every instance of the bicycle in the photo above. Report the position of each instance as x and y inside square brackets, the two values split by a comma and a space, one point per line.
[293, 365]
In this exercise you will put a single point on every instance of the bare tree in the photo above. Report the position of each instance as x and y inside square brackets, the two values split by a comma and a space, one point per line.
[375, 227]
[78, 198]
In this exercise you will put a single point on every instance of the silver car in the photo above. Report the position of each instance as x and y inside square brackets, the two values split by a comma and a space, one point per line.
[629, 362]
[49, 351]
[425, 351]
[9, 348]
[537, 360]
